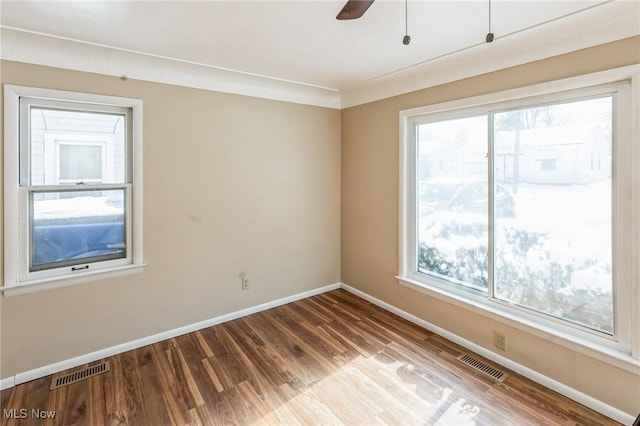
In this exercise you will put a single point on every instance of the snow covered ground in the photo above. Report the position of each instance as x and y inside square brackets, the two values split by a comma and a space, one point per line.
[84, 205]
[555, 252]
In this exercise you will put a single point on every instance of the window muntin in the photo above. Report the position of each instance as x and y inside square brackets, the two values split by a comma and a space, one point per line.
[622, 169]
[73, 187]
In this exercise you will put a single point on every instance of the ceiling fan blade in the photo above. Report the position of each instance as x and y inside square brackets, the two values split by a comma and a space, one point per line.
[353, 9]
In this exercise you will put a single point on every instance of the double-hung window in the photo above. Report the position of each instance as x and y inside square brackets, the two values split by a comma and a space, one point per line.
[521, 205]
[72, 185]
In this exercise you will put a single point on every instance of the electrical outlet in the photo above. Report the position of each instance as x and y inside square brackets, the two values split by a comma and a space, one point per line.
[244, 280]
[500, 340]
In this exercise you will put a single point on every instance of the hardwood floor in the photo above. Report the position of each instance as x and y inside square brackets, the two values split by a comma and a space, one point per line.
[329, 359]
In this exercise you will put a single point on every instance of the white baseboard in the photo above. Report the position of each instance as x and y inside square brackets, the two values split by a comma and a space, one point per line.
[569, 392]
[7, 383]
[135, 344]
[548, 382]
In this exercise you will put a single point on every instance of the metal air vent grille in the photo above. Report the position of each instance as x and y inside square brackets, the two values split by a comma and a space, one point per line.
[483, 368]
[79, 375]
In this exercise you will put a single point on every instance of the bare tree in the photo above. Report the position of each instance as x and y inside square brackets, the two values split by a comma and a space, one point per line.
[518, 120]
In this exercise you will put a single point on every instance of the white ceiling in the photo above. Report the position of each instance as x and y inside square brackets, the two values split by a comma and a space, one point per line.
[301, 41]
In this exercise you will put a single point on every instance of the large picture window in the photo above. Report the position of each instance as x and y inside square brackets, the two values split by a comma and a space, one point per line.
[72, 171]
[522, 205]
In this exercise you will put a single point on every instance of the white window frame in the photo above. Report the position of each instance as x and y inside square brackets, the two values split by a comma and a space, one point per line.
[17, 278]
[622, 350]
[52, 143]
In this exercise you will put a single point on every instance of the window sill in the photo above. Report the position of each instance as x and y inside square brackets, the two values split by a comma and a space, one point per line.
[516, 320]
[66, 281]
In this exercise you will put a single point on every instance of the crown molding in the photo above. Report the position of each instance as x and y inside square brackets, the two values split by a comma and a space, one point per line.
[615, 20]
[604, 23]
[42, 49]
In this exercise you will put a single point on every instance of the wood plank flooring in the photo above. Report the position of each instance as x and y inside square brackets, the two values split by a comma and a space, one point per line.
[328, 359]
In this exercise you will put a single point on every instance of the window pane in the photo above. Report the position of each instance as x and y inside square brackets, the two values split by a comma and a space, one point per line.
[63, 146]
[452, 200]
[554, 256]
[73, 227]
[80, 162]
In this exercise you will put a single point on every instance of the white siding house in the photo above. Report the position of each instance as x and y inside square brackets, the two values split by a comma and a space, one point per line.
[95, 141]
[558, 155]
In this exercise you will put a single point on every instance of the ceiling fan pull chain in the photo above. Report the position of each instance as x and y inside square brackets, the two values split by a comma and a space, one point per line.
[406, 39]
[489, 37]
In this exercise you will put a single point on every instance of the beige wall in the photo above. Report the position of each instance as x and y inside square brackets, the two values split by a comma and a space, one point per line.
[231, 184]
[369, 221]
[234, 184]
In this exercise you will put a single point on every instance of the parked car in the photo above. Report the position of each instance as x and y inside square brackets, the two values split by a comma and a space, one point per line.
[66, 241]
[464, 195]
[71, 229]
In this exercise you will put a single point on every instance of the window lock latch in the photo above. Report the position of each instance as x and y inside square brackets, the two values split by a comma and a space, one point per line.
[79, 268]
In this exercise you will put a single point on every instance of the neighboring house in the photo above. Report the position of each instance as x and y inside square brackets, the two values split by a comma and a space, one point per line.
[77, 147]
[560, 155]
